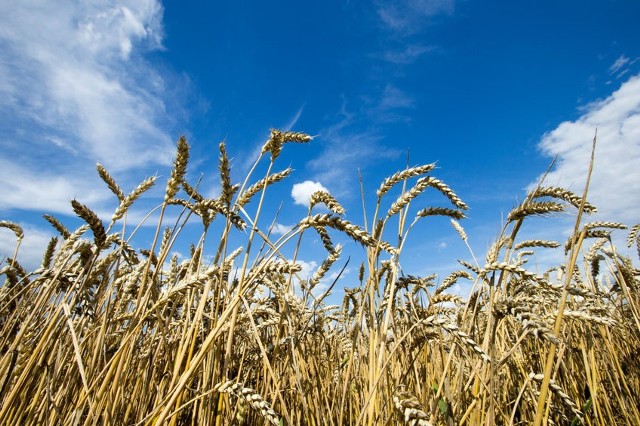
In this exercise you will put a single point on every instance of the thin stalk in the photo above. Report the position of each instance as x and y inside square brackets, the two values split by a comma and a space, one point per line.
[578, 237]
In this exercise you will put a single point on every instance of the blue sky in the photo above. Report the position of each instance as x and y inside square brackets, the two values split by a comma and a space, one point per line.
[491, 91]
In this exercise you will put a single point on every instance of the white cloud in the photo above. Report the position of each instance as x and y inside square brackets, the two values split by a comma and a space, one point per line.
[393, 98]
[344, 153]
[26, 189]
[292, 122]
[280, 229]
[328, 280]
[615, 182]
[618, 64]
[308, 268]
[302, 192]
[251, 155]
[408, 16]
[76, 90]
[31, 249]
[351, 144]
[406, 56]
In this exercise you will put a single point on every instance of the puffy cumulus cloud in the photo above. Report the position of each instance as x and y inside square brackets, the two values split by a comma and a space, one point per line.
[615, 181]
[308, 268]
[307, 272]
[75, 89]
[302, 192]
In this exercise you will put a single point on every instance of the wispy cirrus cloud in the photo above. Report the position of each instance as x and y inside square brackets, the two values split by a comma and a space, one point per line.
[353, 141]
[294, 120]
[407, 55]
[622, 67]
[409, 16]
[619, 64]
[256, 147]
[391, 104]
[75, 89]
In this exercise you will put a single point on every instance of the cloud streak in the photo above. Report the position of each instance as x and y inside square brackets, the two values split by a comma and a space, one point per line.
[409, 16]
[407, 55]
[31, 249]
[355, 140]
[75, 90]
[346, 148]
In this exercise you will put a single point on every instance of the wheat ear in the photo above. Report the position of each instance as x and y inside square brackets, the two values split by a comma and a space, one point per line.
[389, 182]
[179, 169]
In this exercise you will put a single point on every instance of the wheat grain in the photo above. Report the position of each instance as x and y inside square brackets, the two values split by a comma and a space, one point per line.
[587, 317]
[536, 243]
[563, 194]
[110, 181]
[17, 230]
[560, 393]
[445, 298]
[406, 198]
[191, 191]
[325, 266]
[447, 192]
[99, 234]
[411, 410]
[605, 224]
[633, 236]
[57, 225]
[459, 229]
[451, 279]
[441, 211]
[326, 199]
[254, 399]
[534, 208]
[355, 232]
[591, 233]
[280, 267]
[246, 196]
[389, 182]
[48, 254]
[179, 169]
[277, 139]
[128, 201]
[225, 177]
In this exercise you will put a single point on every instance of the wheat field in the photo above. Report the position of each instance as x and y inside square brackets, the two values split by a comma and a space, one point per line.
[105, 333]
